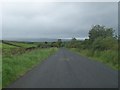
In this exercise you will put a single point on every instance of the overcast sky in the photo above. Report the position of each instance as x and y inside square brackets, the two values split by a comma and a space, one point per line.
[56, 19]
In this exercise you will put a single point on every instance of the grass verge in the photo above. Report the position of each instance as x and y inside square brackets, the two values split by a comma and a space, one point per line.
[109, 58]
[15, 66]
[0, 65]
[0, 71]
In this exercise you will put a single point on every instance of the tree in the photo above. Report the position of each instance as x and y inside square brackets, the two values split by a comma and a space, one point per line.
[108, 43]
[73, 43]
[100, 31]
[86, 44]
[59, 42]
[53, 44]
[46, 44]
[74, 39]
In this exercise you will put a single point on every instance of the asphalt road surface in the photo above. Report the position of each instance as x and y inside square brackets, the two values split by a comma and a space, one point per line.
[66, 69]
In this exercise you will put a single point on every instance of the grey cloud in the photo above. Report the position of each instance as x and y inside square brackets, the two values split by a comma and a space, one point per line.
[56, 20]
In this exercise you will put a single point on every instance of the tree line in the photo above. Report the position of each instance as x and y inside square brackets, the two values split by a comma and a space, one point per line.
[100, 38]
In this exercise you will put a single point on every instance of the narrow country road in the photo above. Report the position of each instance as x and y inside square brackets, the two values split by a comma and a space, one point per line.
[66, 69]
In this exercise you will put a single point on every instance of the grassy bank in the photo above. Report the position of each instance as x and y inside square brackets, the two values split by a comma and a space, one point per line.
[18, 65]
[0, 65]
[0, 71]
[108, 57]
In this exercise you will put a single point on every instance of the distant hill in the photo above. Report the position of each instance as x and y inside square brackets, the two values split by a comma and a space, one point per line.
[36, 40]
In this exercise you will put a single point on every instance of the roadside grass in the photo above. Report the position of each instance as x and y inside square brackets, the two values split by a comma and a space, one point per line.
[0, 71]
[0, 65]
[0, 45]
[15, 66]
[108, 57]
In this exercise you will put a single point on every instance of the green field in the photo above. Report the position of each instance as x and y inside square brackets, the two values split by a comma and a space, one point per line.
[9, 50]
[24, 44]
[16, 65]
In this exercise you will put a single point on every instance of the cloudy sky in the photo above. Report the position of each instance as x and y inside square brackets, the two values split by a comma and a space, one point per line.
[56, 19]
